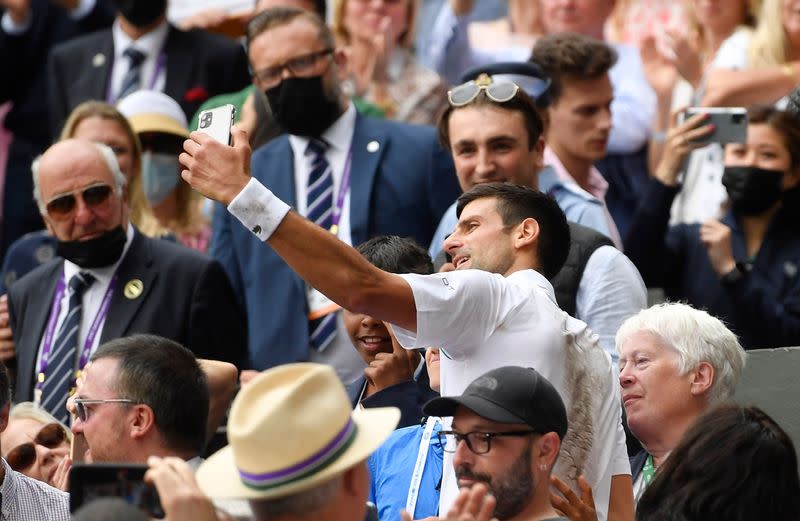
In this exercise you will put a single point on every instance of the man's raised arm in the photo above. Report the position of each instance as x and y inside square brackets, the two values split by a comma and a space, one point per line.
[337, 270]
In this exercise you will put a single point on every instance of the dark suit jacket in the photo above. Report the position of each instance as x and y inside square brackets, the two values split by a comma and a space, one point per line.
[199, 65]
[402, 188]
[186, 298]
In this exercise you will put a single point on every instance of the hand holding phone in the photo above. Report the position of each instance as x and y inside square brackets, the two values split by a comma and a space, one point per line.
[730, 124]
[89, 481]
[217, 123]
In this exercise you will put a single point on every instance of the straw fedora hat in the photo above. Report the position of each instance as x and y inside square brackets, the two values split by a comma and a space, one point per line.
[291, 428]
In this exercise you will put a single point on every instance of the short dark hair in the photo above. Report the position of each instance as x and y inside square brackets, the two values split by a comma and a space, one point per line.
[784, 123]
[735, 463]
[164, 375]
[564, 56]
[279, 16]
[515, 203]
[521, 103]
[396, 254]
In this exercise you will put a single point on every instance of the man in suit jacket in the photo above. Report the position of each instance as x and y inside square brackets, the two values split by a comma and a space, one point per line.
[188, 66]
[139, 285]
[387, 178]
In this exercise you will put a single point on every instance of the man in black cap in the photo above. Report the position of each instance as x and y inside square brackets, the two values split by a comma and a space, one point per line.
[506, 433]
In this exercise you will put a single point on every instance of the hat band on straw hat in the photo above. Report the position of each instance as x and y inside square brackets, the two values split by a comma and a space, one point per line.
[310, 465]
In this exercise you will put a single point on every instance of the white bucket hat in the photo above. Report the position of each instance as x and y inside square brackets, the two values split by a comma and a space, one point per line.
[292, 427]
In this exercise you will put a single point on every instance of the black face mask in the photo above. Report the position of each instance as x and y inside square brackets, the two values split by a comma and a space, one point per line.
[302, 107]
[752, 190]
[99, 252]
[141, 13]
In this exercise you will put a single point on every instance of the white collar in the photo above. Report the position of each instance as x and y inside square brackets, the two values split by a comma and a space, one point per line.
[150, 43]
[531, 276]
[102, 275]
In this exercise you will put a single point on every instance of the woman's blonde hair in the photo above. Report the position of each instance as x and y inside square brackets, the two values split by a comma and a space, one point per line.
[31, 411]
[98, 109]
[696, 30]
[770, 45]
[406, 39]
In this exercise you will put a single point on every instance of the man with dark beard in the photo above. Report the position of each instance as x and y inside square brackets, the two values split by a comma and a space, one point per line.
[506, 433]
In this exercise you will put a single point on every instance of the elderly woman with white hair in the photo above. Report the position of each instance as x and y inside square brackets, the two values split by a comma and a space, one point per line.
[675, 363]
[35, 444]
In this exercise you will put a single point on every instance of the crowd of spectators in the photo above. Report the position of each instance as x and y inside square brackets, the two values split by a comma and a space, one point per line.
[459, 259]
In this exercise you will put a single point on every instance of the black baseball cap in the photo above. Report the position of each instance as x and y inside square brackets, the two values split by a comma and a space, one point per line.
[510, 394]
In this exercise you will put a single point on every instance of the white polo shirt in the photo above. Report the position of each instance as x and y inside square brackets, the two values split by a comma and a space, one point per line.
[483, 321]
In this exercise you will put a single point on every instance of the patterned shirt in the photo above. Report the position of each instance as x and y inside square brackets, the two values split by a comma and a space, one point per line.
[27, 499]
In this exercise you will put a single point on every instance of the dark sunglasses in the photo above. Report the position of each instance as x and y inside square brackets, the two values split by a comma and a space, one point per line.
[467, 92]
[23, 456]
[93, 196]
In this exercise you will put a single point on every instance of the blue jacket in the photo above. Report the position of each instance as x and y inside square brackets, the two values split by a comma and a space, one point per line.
[390, 469]
[403, 189]
[762, 308]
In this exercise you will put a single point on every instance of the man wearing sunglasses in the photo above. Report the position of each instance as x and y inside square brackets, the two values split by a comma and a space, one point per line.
[109, 281]
[24, 498]
[354, 176]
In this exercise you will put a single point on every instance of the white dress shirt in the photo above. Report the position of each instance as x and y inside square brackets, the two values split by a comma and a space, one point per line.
[151, 44]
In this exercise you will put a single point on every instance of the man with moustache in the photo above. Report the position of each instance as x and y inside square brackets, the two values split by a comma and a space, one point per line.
[108, 281]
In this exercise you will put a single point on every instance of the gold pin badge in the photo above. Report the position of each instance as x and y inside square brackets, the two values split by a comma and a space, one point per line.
[99, 60]
[133, 289]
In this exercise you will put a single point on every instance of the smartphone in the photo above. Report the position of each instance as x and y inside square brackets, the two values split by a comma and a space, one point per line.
[88, 481]
[730, 123]
[217, 122]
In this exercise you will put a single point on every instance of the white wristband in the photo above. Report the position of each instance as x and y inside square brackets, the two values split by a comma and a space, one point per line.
[258, 209]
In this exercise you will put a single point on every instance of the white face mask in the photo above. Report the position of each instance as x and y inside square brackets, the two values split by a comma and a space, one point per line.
[160, 176]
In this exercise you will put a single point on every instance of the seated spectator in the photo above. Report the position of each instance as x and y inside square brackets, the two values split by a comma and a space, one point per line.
[506, 432]
[579, 117]
[24, 497]
[736, 463]
[297, 449]
[36, 444]
[769, 68]
[395, 483]
[382, 67]
[741, 269]
[101, 123]
[393, 376]
[677, 66]
[160, 125]
[675, 363]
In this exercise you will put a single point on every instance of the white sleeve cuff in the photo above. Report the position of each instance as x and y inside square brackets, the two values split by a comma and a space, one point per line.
[84, 8]
[14, 29]
[258, 209]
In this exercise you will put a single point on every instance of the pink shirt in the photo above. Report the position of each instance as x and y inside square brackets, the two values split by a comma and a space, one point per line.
[597, 188]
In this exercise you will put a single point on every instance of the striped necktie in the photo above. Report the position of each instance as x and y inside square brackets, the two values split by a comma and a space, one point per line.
[132, 79]
[61, 362]
[319, 210]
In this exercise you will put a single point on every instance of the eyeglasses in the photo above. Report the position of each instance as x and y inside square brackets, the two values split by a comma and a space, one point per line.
[467, 92]
[23, 456]
[477, 442]
[93, 196]
[300, 66]
[83, 412]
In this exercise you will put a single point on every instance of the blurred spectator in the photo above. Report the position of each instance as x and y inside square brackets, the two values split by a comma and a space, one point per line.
[579, 117]
[141, 396]
[769, 68]
[109, 282]
[36, 444]
[142, 51]
[28, 31]
[23, 497]
[735, 463]
[395, 481]
[174, 208]
[354, 176]
[677, 66]
[281, 426]
[381, 65]
[744, 268]
[633, 21]
[393, 376]
[502, 141]
[675, 363]
[94, 121]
